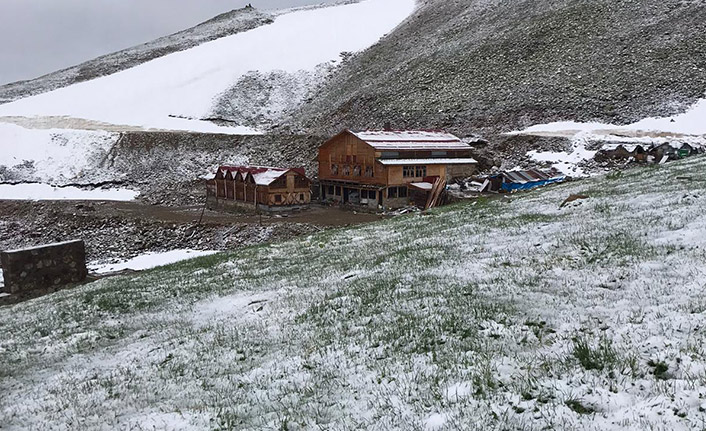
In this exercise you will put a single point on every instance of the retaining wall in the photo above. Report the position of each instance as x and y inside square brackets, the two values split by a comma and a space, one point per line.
[44, 267]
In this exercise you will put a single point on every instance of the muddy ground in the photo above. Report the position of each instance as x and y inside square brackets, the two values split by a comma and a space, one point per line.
[122, 230]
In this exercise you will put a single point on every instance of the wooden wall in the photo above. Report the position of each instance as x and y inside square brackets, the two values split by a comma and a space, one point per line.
[352, 156]
[395, 176]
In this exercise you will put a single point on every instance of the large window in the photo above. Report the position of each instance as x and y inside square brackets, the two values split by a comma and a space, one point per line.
[414, 171]
[396, 192]
[368, 194]
[369, 171]
[334, 169]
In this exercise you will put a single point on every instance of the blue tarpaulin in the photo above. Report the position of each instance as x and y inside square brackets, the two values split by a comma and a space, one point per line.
[511, 187]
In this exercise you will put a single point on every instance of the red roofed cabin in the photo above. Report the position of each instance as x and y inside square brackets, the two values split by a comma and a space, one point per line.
[258, 186]
[390, 168]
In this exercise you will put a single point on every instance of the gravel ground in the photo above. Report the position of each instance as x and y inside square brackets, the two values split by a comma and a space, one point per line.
[122, 230]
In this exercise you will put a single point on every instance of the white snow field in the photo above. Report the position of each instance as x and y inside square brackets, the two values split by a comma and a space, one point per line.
[174, 92]
[53, 155]
[149, 261]
[688, 127]
[45, 192]
[500, 314]
[692, 122]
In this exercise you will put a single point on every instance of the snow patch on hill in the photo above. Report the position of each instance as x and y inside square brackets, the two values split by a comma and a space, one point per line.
[692, 122]
[54, 156]
[45, 192]
[176, 91]
[688, 127]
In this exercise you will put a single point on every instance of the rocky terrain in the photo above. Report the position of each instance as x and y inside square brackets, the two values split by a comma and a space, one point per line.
[222, 25]
[122, 230]
[491, 66]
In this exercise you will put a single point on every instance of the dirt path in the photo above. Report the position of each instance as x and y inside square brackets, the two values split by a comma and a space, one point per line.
[122, 230]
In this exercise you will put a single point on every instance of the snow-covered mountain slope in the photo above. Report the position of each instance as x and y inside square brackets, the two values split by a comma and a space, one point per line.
[222, 25]
[177, 91]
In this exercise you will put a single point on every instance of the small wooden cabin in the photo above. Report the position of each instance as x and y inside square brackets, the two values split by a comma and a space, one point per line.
[261, 187]
[385, 168]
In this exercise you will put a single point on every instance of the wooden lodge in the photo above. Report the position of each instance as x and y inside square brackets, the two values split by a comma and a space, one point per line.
[259, 187]
[390, 169]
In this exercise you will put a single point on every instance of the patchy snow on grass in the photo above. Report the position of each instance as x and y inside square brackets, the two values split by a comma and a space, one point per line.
[510, 313]
[45, 192]
[149, 260]
[176, 91]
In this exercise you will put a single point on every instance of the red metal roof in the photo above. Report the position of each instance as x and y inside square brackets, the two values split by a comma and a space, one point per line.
[262, 175]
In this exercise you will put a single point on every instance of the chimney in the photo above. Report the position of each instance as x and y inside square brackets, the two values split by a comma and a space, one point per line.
[388, 126]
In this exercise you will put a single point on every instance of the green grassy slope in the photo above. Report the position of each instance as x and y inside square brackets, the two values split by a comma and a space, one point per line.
[510, 313]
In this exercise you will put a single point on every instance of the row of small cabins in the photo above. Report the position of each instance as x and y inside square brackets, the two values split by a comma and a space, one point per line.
[649, 152]
[372, 169]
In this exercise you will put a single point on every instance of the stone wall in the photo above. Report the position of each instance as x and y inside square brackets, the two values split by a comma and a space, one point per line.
[44, 267]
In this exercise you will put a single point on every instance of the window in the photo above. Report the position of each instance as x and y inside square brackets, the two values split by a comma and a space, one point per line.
[368, 194]
[438, 153]
[414, 171]
[395, 192]
[356, 171]
[334, 169]
[338, 191]
[390, 154]
[301, 196]
[278, 199]
[330, 190]
[369, 171]
[346, 170]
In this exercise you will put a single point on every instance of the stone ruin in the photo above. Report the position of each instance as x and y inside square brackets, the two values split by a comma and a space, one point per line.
[44, 268]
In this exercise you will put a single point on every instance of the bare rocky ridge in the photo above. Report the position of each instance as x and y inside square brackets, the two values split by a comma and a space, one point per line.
[226, 24]
[491, 66]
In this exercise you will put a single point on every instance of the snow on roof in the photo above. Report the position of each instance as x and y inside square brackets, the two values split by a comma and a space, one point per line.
[39, 247]
[423, 185]
[397, 162]
[411, 140]
[531, 175]
[629, 147]
[262, 175]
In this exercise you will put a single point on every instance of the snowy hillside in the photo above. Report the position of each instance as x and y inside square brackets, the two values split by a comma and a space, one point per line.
[503, 314]
[178, 91]
[223, 25]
